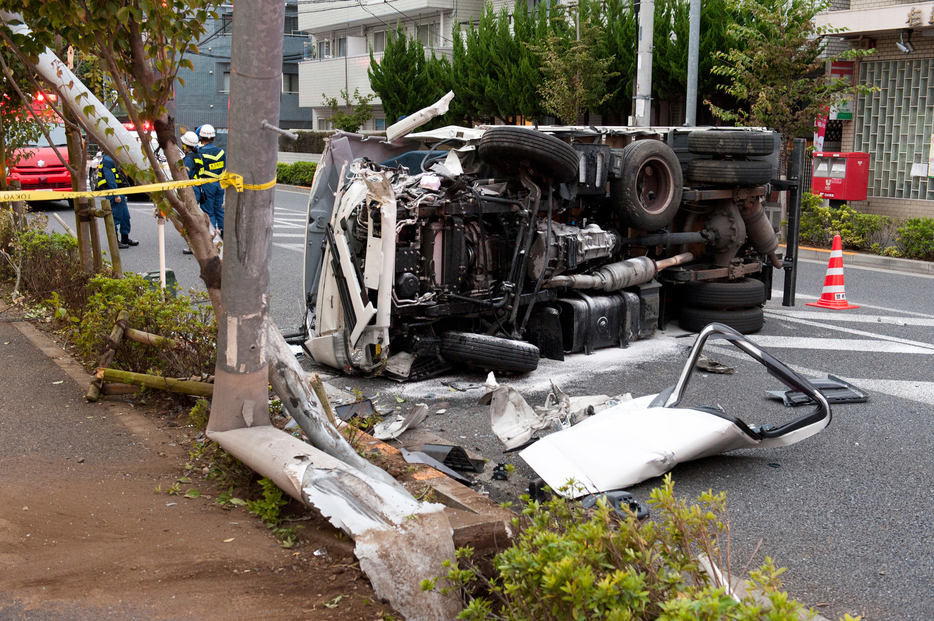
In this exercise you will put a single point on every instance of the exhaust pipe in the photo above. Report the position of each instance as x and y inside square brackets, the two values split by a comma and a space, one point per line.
[620, 275]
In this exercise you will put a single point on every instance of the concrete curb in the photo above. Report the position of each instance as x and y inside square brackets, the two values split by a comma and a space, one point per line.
[855, 259]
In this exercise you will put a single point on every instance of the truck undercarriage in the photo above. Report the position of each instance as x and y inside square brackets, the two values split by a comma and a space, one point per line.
[496, 246]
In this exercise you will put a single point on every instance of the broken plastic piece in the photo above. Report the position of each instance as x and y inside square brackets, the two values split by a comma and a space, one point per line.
[453, 457]
[420, 457]
[659, 434]
[617, 500]
[539, 490]
[833, 388]
[363, 409]
[390, 430]
[712, 366]
[500, 473]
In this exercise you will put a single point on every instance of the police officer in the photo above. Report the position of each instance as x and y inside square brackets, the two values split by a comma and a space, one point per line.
[215, 162]
[194, 165]
[109, 178]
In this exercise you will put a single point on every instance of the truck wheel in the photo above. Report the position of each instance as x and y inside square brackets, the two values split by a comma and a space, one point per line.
[743, 320]
[489, 352]
[741, 293]
[505, 146]
[730, 172]
[648, 193]
[738, 143]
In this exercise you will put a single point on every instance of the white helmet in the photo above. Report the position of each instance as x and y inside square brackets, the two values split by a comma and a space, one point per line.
[207, 131]
[190, 139]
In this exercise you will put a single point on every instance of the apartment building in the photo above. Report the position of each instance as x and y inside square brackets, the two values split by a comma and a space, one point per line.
[345, 31]
[205, 95]
[893, 125]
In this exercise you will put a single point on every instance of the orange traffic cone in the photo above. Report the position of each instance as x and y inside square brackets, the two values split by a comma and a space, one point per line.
[833, 295]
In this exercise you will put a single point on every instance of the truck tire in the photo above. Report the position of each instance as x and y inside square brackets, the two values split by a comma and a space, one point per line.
[504, 147]
[736, 143]
[741, 293]
[743, 320]
[648, 193]
[730, 172]
[489, 352]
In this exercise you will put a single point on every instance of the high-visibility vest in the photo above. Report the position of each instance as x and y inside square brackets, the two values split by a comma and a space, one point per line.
[102, 181]
[214, 162]
[197, 169]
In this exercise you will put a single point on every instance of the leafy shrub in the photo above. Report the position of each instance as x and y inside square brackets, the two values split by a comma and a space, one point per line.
[915, 239]
[47, 262]
[308, 142]
[858, 231]
[188, 320]
[299, 173]
[573, 563]
[269, 509]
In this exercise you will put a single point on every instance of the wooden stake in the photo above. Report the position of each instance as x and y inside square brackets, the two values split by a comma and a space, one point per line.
[188, 387]
[116, 335]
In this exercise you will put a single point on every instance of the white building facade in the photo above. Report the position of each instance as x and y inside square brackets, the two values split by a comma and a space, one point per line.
[894, 125]
[345, 31]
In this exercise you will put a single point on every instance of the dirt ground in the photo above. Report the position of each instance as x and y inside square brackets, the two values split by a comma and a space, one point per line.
[88, 528]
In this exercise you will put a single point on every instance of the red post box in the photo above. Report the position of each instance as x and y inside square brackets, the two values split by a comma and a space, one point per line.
[840, 176]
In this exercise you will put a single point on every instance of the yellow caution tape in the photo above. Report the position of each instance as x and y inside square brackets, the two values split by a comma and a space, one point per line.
[226, 180]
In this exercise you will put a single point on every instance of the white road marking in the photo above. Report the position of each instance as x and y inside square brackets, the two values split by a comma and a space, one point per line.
[850, 318]
[798, 342]
[777, 296]
[870, 335]
[294, 247]
[913, 390]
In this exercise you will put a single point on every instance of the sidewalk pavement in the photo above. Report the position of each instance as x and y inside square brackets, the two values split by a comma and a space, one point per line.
[84, 534]
[856, 259]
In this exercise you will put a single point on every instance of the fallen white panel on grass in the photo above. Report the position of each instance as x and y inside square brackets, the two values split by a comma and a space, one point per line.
[648, 436]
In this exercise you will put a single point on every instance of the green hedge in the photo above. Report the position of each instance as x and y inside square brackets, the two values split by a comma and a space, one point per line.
[308, 142]
[299, 173]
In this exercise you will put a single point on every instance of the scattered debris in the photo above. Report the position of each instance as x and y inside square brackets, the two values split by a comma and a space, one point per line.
[500, 473]
[389, 430]
[514, 421]
[420, 457]
[834, 389]
[453, 457]
[659, 435]
[321, 552]
[712, 366]
[363, 409]
[616, 500]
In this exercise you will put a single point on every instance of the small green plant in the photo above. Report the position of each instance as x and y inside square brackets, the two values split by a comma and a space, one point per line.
[287, 537]
[186, 320]
[174, 489]
[269, 509]
[199, 414]
[858, 231]
[915, 239]
[574, 563]
[227, 498]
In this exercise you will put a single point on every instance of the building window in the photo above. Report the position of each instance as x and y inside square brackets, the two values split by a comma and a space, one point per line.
[342, 47]
[290, 83]
[379, 124]
[227, 23]
[379, 41]
[323, 125]
[291, 23]
[324, 49]
[225, 88]
[428, 34]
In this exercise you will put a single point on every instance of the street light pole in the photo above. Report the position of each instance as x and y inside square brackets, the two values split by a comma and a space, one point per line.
[643, 97]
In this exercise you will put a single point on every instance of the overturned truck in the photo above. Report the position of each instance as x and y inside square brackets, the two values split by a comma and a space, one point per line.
[496, 246]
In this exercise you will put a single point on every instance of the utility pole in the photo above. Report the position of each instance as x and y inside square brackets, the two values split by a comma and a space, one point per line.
[693, 52]
[241, 393]
[643, 97]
